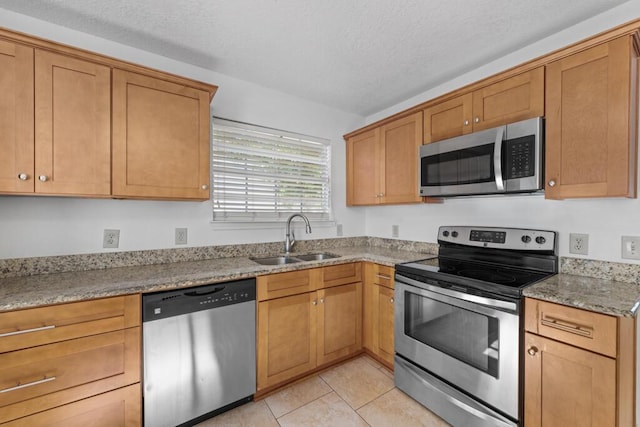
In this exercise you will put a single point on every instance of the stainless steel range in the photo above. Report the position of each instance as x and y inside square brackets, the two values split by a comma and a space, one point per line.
[458, 324]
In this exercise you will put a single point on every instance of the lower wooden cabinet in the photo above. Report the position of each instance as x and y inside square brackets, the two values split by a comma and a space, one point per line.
[299, 332]
[72, 364]
[379, 312]
[117, 408]
[579, 367]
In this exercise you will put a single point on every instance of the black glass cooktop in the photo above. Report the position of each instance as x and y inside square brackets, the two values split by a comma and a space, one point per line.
[491, 277]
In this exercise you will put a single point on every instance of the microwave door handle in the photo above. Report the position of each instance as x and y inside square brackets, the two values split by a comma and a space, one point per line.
[497, 159]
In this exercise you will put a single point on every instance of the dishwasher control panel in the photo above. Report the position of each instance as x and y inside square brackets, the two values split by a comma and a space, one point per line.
[160, 305]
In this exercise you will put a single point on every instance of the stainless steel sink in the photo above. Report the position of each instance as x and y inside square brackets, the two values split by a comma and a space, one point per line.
[317, 257]
[291, 259]
[276, 260]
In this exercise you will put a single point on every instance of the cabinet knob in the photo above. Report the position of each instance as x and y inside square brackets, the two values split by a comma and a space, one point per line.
[204, 186]
[314, 302]
[466, 122]
[321, 300]
[552, 183]
[477, 120]
[23, 176]
[43, 178]
[391, 300]
[532, 350]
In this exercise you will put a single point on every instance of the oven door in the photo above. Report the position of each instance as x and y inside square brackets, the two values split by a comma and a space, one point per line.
[469, 341]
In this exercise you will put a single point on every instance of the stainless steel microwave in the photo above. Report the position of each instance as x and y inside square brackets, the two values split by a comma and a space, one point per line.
[506, 159]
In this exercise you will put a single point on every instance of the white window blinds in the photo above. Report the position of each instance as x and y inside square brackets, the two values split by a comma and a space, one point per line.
[262, 174]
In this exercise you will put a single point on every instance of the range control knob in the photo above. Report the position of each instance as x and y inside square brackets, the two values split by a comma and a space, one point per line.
[526, 239]
[540, 240]
[445, 233]
[454, 234]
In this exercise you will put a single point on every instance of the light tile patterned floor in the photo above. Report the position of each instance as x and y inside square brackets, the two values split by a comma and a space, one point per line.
[359, 392]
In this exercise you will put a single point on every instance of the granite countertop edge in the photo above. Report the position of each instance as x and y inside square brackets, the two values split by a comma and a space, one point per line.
[45, 289]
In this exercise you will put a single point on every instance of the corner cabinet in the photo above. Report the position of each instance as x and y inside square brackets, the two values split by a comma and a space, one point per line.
[579, 367]
[306, 319]
[160, 138]
[76, 123]
[591, 122]
[382, 164]
[516, 98]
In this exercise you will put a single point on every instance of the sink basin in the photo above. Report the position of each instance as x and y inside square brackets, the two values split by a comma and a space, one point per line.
[290, 259]
[275, 260]
[317, 257]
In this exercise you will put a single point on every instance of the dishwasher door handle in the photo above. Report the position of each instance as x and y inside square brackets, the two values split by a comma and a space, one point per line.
[199, 294]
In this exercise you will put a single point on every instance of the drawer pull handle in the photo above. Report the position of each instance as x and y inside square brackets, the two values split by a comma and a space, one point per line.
[32, 383]
[384, 276]
[572, 328]
[26, 331]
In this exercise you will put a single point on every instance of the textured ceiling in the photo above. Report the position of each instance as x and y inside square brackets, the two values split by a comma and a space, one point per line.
[359, 56]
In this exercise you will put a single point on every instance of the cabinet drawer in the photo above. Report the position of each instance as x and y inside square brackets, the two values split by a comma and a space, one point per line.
[581, 328]
[22, 329]
[383, 275]
[341, 274]
[55, 374]
[118, 408]
[284, 284]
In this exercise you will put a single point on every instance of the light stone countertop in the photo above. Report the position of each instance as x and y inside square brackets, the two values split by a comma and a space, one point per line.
[44, 289]
[612, 297]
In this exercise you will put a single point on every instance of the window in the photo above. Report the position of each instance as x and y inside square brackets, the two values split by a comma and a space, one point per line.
[262, 174]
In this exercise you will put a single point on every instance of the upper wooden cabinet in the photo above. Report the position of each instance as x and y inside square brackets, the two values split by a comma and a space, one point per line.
[382, 164]
[160, 138]
[516, 98]
[57, 118]
[591, 122]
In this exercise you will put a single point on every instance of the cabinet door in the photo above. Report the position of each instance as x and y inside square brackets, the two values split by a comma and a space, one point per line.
[363, 169]
[401, 141]
[160, 139]
[118, 408]
[16, 118]
[339, 322]
[517, 98]
[448, 119]
[383, 339]
[567, 386]
[591, 122]
[72, 126]
[286, 338]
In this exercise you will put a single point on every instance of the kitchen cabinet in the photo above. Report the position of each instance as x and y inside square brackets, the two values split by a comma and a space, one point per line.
[382, 164]
[76, 123]
[160, 138]
[59, 124]
[591, 122]
[56, 360]
[307, 319]
[579, 367]
[378, 334]
[513, 99]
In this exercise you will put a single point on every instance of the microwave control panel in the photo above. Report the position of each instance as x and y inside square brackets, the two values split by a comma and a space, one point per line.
[520, 159]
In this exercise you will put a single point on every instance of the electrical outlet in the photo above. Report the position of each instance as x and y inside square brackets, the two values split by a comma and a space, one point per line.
[181, 236]
[631, 247]
[395, 230]
[111, 238]
[339, 230]
[579, 244]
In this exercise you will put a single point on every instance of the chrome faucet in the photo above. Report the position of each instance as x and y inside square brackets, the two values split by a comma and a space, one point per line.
[290, 238]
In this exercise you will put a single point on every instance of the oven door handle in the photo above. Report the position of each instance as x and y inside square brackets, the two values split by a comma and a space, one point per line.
[488, 302]
[497, 158]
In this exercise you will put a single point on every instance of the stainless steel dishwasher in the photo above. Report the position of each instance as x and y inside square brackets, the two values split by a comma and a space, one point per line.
[199, 347]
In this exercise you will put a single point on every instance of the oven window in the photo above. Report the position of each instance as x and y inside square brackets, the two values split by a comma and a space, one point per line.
[465, 335]
[466, 166]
